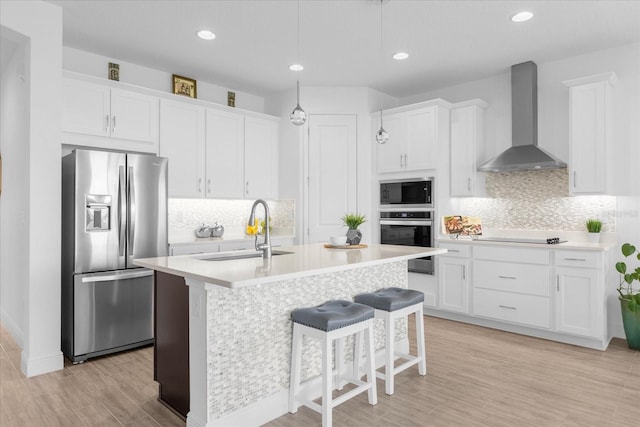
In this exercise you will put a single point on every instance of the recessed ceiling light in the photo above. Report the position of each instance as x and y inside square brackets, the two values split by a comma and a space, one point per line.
[206, 35]
[523, 16]
[400, 56]
[296, 67]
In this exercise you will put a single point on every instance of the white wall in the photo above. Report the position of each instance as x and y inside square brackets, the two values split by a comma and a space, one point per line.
[96, 65]
[39, 282]
[14, 201]
[360, 101]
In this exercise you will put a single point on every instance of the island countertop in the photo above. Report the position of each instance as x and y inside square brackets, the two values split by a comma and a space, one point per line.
[302, 261]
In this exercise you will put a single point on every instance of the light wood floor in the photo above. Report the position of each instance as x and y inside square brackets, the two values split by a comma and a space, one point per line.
[476, 377]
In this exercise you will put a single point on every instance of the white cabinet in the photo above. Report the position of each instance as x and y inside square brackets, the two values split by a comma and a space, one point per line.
[416, 133]
[579, 293]
[453, 279]
[218, 154]
[467, 132]
[103, 116]
[225, 155]
[182, 141]
[260, 158]
[196, 248]
[590, 133]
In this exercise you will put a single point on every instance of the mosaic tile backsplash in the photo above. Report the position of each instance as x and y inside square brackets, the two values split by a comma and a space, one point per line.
[537, 200]
[249, 331]
[188, 214]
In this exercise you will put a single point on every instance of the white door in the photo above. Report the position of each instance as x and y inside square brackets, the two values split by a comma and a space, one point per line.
[421, 137]
[577, 301]
[453, 284]
[392, 155]
[134, 116]
[332, 174]
[86, 108]
[260, 158]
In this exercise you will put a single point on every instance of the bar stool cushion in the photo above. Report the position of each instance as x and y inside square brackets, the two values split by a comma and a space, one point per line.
[332, 315]
[390, 299]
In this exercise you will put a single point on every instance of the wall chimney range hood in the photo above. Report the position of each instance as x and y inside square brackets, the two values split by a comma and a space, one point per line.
[524, 153]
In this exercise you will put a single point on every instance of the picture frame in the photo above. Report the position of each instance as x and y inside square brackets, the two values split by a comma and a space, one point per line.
[184, 86]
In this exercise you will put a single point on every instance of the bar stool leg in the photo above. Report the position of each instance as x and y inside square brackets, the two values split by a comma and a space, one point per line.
[357, 355]
[338, 362]
[371, 366]
[296, 359]
[422, 365]
[390, 340]
[327, 387]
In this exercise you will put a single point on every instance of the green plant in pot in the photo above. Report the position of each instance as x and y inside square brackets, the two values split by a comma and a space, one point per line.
[594, 226]
[353, 221]
[630, 297]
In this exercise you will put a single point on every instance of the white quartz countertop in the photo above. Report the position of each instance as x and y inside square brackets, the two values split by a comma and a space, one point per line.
[572, 245]
[304, 260]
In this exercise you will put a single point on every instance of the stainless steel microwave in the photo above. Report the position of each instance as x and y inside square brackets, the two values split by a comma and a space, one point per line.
[407, 193]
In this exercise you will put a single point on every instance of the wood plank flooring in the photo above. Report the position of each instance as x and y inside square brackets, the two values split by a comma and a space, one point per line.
[475, 377]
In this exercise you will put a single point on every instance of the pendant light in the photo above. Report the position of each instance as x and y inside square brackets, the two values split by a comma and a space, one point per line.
[381, 136]
[298, 116]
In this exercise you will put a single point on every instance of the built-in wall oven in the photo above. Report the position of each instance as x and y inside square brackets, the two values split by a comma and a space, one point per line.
[410, 228]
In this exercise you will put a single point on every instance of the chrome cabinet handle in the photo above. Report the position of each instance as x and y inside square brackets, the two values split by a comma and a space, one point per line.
[575, 259]
[113, 124]
[558, 283]
[209, 186]
[575, 179]
[454, 250]
[246, 188]
[507, 277]
[405, 160]
[464, 272]
[106, 123]
[469, 184]
[400, 160]
[507, 306]
[199, 185]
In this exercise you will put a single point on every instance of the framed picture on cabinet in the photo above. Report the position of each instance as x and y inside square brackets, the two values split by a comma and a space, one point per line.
[184, 86]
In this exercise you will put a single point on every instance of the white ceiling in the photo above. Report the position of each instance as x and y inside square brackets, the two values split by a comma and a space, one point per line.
[449, 41]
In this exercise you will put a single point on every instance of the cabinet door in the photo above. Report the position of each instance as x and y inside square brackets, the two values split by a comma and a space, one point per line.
[463, 151]
[86, 108]
[260, 158]
[578, 301]
[134, 116]
[421, 139]
[391, 156]
[453, 284]
[225, 155]
[182, 141]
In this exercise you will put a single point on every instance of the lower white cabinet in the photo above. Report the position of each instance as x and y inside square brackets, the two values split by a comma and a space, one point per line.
[209, 246]
[558, 294]
[453, 280]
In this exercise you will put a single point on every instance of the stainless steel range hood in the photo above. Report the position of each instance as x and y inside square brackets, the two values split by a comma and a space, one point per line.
[524, 153]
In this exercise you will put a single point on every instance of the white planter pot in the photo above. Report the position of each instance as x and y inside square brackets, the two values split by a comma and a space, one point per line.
[594, 237]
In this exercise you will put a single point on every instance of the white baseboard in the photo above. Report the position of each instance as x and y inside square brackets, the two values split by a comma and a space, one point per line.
[12, 327]
[41, 365]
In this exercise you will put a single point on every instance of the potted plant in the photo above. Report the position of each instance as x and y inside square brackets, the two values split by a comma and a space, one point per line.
[630, 297]
[353, 221]
[593, 227]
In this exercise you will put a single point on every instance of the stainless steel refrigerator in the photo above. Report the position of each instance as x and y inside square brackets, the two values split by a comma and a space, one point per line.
[114, 209]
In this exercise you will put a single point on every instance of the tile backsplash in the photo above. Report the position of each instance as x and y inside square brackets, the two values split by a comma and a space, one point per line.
[537, 200]
[188, 214]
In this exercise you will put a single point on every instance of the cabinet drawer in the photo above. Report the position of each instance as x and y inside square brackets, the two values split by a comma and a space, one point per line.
[512, 254]
[457, 250]
[511, 277]
[524, 309]
[578, 259]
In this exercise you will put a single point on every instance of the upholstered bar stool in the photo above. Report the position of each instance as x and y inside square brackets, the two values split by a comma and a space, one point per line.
[331, 321]
[391, 304]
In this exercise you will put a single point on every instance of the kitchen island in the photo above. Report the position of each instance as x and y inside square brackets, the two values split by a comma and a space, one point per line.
[239, 324]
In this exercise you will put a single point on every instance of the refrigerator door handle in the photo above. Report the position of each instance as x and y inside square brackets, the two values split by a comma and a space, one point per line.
[132, 210]
[119, 276]
[122, 203]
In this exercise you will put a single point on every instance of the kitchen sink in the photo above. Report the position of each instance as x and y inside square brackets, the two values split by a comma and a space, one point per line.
[226, 256]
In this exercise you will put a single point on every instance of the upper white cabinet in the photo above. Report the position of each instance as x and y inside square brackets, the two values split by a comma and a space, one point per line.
[467, 131]
[218, 154]
[103, 116]
[260, 158]
[182, 141]
[590, 132]
[415, 134]
[225, 155]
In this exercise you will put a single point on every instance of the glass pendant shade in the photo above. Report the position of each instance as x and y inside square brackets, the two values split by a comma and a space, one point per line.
[298, 116]
[382, 136]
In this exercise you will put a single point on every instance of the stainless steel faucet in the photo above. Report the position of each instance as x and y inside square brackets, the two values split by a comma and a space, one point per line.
[265, 246]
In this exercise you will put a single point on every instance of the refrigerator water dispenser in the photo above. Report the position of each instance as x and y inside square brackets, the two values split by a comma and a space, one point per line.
[98, 213]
